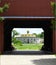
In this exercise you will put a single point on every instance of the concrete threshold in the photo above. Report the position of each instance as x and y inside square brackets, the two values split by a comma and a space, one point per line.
[26, 52]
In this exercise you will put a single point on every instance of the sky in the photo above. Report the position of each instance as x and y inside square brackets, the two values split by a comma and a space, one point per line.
[31, 30]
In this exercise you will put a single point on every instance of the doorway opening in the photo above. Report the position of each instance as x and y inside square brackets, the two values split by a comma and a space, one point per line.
[45, 24]
[27, 39]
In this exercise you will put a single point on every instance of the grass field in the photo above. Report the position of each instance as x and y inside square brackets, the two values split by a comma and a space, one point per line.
[29, 46]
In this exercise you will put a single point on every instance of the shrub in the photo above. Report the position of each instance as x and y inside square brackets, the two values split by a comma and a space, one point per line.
[1, 10]
[15, 41]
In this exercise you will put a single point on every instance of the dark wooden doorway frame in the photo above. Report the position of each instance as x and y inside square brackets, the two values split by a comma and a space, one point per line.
[9, 24]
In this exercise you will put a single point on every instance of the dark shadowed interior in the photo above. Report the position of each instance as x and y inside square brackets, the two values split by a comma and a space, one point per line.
[9, 24]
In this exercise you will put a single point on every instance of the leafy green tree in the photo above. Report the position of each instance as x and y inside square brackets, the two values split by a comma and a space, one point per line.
[3, 9]
[35, 34]
[41, 35]
[14, 40]
[27, 31]
[53, 5]
[14, 32]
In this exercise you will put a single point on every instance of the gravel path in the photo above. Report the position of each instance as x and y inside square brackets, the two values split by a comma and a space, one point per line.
[27, 60]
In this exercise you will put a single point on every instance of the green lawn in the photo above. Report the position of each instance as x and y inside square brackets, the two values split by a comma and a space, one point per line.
[29, 46]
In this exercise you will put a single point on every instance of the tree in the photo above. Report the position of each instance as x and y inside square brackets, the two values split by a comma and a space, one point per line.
[14, 40]
[3, 9]
[14, 32]
[41, 35]
[53, 5]
[27, 31]
[35, 34]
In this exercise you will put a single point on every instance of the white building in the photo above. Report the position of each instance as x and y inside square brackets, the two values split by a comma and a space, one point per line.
[28, 38]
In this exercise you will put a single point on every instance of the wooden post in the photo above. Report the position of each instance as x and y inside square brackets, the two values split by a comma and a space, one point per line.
[54, 41]
[53, 4]
[1, 37]
[54, 35]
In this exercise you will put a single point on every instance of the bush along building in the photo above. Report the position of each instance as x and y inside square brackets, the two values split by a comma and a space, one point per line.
[29, 38]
